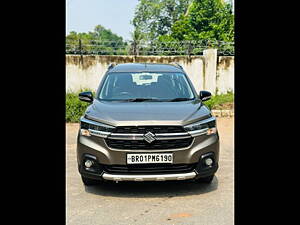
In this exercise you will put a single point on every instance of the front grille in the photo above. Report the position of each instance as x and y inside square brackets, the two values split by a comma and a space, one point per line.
[145, 129]
[142, 145]
[149, 168]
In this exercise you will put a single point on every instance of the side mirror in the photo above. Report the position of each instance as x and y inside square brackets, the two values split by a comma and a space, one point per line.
[205, 95]
[86, 96]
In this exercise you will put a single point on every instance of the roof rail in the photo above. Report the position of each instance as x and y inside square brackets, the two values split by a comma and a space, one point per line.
[177, 65]
[112, 65]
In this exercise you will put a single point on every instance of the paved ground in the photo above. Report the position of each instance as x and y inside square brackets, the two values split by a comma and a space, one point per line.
[158, 203]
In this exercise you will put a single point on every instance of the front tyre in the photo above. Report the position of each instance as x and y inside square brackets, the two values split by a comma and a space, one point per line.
[206, 180]
[89, 182]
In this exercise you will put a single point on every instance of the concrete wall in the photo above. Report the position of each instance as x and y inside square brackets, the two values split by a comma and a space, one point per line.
[207, 72]
[225, 74]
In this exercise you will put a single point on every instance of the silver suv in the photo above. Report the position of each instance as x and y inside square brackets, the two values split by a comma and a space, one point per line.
[147, 123]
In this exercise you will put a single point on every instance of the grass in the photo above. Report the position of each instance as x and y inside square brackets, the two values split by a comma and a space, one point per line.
[74, 107]
[223, 101]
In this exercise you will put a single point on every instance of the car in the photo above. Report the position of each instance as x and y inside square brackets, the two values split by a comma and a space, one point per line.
[146, 122]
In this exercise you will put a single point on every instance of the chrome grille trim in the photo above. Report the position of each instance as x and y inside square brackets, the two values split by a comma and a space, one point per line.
[139, 137]
[168, 136]
[98, 133]
[171, 136]
[117, 136]
[198, 132]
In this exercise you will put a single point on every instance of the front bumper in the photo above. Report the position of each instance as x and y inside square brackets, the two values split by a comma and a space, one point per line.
[194, 174]
[149, 177]
[195, 169]
[105, 156]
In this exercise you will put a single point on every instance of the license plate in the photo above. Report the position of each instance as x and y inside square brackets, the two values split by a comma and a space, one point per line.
[145, 158]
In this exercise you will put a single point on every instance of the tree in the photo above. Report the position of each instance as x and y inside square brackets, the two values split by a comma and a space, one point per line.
[137, 37]
[100, 41]
[205, 20]
[100, 33]
[156, 17]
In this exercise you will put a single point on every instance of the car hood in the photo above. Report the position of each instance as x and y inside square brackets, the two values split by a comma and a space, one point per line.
[147, 113]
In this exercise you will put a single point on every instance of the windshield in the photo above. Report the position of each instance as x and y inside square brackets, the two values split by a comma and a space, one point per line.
[146, 86]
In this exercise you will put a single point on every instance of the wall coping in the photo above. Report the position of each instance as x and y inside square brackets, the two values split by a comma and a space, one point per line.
[223, 113]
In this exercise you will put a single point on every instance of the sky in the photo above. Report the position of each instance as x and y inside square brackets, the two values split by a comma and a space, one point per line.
[84, 15]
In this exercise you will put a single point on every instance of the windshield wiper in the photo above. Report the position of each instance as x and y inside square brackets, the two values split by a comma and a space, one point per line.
[140, 99]
[180, 99]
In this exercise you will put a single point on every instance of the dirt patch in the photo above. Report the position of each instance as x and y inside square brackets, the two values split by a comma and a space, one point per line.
[224, 106]
[225, 61]
[179, 215]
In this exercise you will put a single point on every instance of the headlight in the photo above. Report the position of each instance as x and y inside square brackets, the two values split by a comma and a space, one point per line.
[89, 127]
[207, 126]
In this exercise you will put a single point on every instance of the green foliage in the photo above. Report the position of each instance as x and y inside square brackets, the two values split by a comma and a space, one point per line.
[185, 20]
[156, 17]
[137, 35]
[74, 107]
[101, 40]
[100, 33]
[176, 27]
[205, 20]
[217, 101]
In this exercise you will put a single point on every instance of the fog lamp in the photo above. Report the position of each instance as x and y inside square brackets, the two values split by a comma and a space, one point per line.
[85, 132]
[211, 131]
[208, 161]
[88, 163]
